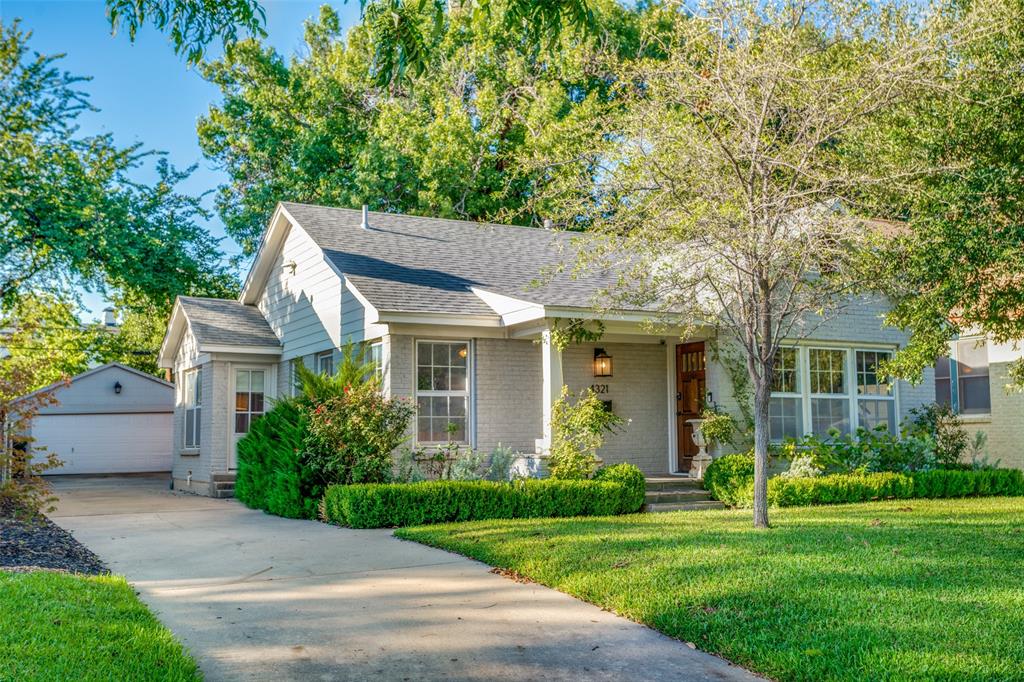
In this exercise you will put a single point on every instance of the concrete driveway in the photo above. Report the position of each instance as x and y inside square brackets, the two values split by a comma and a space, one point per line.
[257, 597]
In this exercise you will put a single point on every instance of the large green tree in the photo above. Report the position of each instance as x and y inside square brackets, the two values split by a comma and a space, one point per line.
[732, 178]
[320, 127]
[404, 32]
[961, 266]
[71, 214]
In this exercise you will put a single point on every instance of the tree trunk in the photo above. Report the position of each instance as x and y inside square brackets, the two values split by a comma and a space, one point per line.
[762, 396]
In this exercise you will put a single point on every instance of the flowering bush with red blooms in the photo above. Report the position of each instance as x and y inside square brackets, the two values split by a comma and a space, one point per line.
[351, 436]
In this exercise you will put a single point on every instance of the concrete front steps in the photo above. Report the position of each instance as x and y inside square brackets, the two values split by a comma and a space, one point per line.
[223, 485]
[678, 493]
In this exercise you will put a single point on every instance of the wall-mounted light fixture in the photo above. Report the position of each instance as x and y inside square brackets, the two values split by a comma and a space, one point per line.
[602, 363]
[117, 387]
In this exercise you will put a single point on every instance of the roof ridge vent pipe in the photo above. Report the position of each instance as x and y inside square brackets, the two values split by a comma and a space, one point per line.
[366, 217]
[547, 223]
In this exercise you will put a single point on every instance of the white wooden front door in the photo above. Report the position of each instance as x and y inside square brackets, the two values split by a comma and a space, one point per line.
[251, 386]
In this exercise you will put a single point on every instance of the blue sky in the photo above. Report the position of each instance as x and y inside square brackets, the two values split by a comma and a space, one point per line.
[144, 92]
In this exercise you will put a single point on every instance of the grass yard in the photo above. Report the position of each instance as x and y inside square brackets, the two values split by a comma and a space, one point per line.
[56, 626]
[914, 589]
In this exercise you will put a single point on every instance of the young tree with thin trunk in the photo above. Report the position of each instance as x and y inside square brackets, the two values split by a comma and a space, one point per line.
[726, 183]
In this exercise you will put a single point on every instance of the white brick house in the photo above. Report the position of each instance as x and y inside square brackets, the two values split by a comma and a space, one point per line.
[460, 325]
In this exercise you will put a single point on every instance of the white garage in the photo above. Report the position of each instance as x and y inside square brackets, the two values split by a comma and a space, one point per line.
[112, 419]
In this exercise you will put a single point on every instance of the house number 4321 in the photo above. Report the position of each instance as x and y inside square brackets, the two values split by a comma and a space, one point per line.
[599, 388]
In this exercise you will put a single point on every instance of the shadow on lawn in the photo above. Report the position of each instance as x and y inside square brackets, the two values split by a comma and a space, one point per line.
[909, 589]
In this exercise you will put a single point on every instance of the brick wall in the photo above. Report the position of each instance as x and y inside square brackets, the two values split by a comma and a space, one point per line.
[1005, 426]
[509, 378]
[638, 390]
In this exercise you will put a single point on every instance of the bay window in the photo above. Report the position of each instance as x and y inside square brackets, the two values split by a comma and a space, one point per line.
[442, 391]
[192, 400]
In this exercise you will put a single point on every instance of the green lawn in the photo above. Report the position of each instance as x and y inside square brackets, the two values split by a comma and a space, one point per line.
[914, 589]
[56, 626]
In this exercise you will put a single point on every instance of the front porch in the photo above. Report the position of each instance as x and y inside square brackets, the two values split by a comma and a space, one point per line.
[657, 385]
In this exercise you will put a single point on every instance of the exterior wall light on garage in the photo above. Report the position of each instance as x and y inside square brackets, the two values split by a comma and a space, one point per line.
[602, 363]
[117, 387]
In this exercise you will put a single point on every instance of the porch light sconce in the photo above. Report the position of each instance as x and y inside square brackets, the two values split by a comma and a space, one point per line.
[117, 387]
[602, 363]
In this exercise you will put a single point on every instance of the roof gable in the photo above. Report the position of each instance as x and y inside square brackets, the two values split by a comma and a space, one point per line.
[414, 264]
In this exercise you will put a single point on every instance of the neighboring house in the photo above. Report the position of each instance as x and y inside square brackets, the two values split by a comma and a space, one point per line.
[112, 419]
[974, 380]
[461, 326]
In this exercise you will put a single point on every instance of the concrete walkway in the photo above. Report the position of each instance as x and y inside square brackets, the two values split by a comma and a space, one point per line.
[256, 597]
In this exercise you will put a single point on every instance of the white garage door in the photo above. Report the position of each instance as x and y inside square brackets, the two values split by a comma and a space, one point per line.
[106, 443]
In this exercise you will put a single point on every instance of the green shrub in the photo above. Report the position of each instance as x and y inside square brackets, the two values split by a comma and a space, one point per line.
[838, 489]
[847, 488]
[728, 478]
[271, 473]
[630, 476]
[944, 427]
[376, 505]
[577, 431]
[867, 450]
[351, 436]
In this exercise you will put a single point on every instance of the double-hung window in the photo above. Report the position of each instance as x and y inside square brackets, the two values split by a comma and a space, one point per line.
[943, 381]
[442, 391]
[193, 403]
[785, 410]
[973, 390]
[816, 390]
[876, 400]
[829, 392]
[377, 358]
[325, 363]
[962, 379]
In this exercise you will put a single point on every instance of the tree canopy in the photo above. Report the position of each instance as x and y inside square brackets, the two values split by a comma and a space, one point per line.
[961, 267]
[735, 174]
[320, 128]
[73, 217]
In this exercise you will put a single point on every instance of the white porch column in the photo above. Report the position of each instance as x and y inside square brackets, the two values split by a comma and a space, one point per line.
[551, 391]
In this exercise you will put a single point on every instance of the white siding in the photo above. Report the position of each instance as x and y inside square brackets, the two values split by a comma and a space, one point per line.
[304, 309]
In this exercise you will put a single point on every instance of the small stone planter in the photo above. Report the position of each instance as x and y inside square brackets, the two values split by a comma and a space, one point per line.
[702, 459]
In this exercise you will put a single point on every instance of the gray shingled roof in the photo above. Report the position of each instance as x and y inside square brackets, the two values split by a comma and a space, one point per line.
[227, 322]
[412, 264]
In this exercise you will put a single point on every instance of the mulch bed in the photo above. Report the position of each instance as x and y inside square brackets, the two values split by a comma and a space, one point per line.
[40, 544]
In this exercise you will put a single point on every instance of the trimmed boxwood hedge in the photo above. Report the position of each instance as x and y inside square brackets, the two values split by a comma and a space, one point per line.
[380, 505]
[735, 487]
[727, 478]
[630, 476]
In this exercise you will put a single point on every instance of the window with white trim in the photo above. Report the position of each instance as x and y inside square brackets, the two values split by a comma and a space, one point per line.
[250, 397]
[442, 391]
[785, 409]
[876, 400]
[817, 389]
[377, 358]
[829, 392]
[192, 400]
[325, 363]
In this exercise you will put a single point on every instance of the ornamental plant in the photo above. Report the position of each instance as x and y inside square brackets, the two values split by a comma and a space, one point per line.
[351, 436]
[718, 427]
[577, 431]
